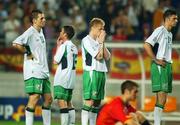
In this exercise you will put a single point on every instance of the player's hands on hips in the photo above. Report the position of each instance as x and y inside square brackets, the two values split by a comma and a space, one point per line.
[160, 62]
[101, 36]
[31, 57]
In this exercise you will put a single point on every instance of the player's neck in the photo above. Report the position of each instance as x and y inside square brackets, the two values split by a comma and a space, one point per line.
[37, 28]
[91, 34]
[124, 99]
[167, 27]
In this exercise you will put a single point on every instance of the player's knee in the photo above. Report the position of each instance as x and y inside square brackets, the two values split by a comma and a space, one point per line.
[141, 118]
[33, 99]
[162, 97]
[96, 103]
[50, 101]
[131, 122]
[88, 103]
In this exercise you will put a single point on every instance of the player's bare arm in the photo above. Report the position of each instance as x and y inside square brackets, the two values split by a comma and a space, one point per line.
[101, 39]
[107, 54]
[23, 49]
[150, 53]
[59, 41]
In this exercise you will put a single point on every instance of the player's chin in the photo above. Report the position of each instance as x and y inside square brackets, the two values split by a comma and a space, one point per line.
[43, 24]
[174, 24]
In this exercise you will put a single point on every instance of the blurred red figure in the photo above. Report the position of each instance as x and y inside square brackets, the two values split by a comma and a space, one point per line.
[119, 111]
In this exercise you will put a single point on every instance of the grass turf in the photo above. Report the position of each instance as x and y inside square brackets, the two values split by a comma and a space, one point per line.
[23, 123]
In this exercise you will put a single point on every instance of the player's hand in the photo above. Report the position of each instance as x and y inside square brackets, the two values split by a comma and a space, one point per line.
[31, 57]
[59, 41]
[101, 36]
[160, 62]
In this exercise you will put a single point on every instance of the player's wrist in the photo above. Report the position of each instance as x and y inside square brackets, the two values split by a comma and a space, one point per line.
[154, 59]
[27, 51]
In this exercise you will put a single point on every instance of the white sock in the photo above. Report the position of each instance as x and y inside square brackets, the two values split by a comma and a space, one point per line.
[92, 118]
[72, 117]
[29, 117]
[157, 115]
[46, 115]
[64, 118]
[84, 117]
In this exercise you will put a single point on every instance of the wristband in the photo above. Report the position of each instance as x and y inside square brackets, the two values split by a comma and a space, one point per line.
[28, 50]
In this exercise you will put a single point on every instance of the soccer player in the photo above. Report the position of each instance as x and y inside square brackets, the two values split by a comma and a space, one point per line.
[159, 47]
[94, 54]
[119, 111]
[36, 73]
[65, 76]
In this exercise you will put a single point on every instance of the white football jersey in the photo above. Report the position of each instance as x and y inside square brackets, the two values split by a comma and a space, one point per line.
[38, 67]
[90, 49]
[163, 38]
[66, 57]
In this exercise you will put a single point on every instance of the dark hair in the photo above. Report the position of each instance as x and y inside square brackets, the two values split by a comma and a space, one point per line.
[34, 14]
[129, 85]
[168, 13]
[69, 30]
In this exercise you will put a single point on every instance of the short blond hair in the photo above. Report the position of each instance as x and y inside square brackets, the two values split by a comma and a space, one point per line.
[96, 21]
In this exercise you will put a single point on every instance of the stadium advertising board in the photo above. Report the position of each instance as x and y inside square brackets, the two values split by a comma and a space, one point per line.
[14, 109]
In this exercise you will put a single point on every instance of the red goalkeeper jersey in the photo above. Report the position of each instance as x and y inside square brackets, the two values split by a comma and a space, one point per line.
[113, 112]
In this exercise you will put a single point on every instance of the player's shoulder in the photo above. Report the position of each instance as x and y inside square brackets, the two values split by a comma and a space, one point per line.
[85, 39]
[117, 100]
[29, 31]
[70, 44]
[160, 29]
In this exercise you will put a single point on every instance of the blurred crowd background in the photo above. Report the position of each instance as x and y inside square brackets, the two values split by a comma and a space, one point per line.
[125, 19]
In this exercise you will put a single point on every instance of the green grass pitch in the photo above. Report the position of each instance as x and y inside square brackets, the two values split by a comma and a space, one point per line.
[23, 123]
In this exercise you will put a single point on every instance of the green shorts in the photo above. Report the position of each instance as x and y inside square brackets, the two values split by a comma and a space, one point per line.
[62, 93]
[161, 77]
[93, 85]
[38, 86]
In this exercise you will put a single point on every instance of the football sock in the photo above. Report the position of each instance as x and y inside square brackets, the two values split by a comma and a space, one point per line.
[29, 113]
[93, 115]
[72, 116]
[46, 115]
[64, 116]
[158, 114]
[85, 115]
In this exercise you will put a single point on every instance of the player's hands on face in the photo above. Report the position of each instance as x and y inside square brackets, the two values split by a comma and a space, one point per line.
[101, 36]
[59, 41]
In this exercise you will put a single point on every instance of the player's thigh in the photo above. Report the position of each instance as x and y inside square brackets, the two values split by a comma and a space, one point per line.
[34, 86]
[87, 85]
[155, 77]
[166, 78]
[98, 84]
[61, 93]
[46, 86]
